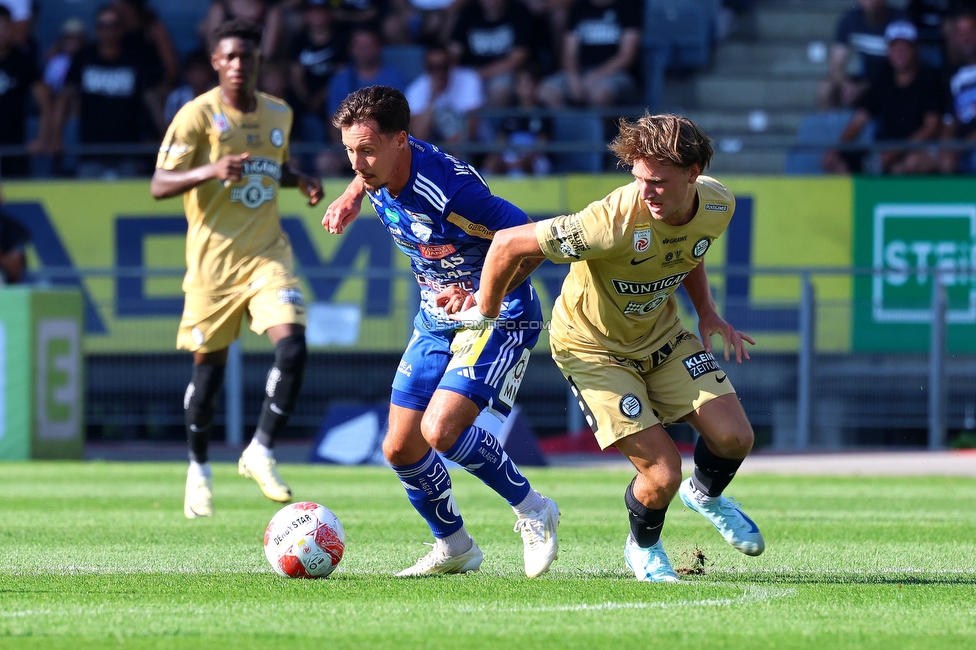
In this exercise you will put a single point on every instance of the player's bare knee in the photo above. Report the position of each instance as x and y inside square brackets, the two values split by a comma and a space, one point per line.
[394, 452]
[438, 433]
[735, 443]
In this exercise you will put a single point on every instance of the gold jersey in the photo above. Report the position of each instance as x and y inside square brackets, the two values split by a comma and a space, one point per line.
[618, 297]
[234, 229]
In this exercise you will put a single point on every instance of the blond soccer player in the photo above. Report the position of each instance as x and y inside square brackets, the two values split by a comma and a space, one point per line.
[226, 152]
[617, 338]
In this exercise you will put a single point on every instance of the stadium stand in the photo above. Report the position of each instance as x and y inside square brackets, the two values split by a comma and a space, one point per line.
[408, 59]
[817, 129]
[579, 127]
[684, 29]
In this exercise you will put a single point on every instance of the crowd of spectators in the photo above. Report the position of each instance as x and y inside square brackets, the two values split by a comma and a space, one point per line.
[910, 74]
[115, 83]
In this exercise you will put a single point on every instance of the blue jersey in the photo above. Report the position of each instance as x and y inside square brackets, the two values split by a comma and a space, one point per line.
[443, 220]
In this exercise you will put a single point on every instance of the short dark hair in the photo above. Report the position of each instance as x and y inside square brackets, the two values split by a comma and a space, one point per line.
[238, 28]
[384, 104]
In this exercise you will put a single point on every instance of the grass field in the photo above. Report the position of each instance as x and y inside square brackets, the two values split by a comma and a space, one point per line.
[99, 555]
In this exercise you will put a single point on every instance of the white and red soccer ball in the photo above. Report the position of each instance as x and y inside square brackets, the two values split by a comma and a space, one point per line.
[304, 540]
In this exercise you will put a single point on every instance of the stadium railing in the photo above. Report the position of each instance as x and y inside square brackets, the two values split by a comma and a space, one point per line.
[578, 144]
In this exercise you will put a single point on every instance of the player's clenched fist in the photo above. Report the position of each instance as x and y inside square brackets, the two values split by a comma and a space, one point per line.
[341, 212]
[312, 188]
[230, 168]
[454, 299]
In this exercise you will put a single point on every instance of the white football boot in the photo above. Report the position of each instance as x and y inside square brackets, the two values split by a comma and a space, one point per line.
[198, 501]
[438, 562]
[735, 526]
[538, 530]
[649, 564]
[263, 469]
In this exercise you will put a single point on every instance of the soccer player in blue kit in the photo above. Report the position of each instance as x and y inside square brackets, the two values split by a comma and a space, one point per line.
[442, 215]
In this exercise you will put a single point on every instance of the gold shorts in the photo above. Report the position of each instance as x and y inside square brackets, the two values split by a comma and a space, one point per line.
[620, 397]
[212, 322]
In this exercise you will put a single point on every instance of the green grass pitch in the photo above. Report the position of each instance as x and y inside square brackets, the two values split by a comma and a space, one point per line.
[96, 555]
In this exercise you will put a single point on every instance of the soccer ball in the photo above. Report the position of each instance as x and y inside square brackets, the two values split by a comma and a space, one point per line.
[304, 540]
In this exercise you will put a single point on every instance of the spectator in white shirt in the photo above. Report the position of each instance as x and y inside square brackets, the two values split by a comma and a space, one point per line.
[442, 98]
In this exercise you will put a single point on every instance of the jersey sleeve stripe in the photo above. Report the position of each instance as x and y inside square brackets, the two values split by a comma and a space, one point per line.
[431, 192]
[435, 191]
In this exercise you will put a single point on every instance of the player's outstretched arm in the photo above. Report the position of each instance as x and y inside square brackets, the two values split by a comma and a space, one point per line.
[709, 321]
[309, 186]
[503, 264]
[345, 208]
[173, 182]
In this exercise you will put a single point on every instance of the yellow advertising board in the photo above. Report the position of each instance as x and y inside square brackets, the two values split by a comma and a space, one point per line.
[124, 251]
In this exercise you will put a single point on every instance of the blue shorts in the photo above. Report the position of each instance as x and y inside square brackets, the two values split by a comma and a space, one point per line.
[485, 366]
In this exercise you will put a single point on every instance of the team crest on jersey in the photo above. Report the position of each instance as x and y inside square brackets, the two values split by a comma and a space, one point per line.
[221, 122]
[254, 194]
[701, 246]
[630, 406]
[436, 251]
[277, 137]
[422, 232]
[642, 237]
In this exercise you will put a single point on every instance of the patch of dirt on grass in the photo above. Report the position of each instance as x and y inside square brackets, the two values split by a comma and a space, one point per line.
[693, 563]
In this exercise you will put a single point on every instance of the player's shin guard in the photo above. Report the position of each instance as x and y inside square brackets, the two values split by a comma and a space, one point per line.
[645, 523]
[712, 473]
[428, 487]
[479, 452]
[199, 403]
[281, 390]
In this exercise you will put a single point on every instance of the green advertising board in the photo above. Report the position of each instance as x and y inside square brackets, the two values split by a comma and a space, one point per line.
[909, 232]
[41, 374]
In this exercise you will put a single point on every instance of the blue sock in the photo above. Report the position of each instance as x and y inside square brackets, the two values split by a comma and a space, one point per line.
[428, 487]
[480, 453]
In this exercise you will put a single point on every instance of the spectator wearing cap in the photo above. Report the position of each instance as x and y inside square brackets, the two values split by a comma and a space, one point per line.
[857, 55]
[906, 102]
[961, 123]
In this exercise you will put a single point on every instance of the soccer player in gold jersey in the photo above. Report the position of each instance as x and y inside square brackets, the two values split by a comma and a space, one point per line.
[226, 152]
[617, 338]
